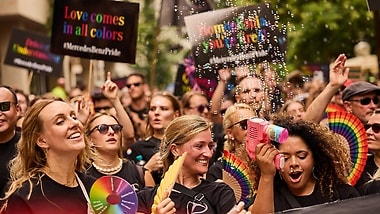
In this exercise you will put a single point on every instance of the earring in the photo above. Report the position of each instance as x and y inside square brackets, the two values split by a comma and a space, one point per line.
[314, 176]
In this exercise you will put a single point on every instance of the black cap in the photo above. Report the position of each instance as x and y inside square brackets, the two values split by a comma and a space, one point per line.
[357, 88]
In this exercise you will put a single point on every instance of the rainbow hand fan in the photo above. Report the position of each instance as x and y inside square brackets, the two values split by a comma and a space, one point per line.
[353, 130]
[113, 195]
[333, 107]
[236, 175]
[168, 180]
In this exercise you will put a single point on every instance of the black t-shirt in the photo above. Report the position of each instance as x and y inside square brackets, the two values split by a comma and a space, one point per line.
[141, 152]
[219, 195]
[218, 137]
[281, 201]
[128, 172]
[372, 187]
[48, 196]
[215, 171]
[369, 170]
[7, 152]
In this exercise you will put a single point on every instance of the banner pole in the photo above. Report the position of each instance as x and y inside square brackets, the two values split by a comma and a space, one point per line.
[90, 74]
[30, 78]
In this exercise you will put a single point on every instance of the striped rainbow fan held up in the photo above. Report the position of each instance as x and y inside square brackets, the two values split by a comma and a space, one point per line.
[236, 175]
[350, 127]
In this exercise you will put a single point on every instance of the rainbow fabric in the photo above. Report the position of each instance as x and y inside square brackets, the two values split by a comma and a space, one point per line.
[112, 194]
[353, 130]
[239, 176]
[332, 107]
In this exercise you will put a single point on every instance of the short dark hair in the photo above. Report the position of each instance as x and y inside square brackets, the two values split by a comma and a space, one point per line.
[136, 74]
[12, 91]
[98, 95]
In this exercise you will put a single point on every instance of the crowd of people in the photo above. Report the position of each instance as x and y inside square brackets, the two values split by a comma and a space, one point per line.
[52, 150]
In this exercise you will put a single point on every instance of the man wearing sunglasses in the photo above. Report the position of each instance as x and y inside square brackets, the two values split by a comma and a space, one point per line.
[361, 99]
[9, 112]
[138, 109]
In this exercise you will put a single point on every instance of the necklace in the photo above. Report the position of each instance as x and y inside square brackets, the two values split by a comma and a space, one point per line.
[111, 170]
[72, 183]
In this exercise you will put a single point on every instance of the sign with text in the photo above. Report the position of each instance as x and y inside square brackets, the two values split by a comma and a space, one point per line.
[373, 5]
[235, 36]
[32, 51]
[105, 30]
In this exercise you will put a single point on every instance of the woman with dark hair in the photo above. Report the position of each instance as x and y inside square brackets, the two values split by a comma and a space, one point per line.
[315, 169]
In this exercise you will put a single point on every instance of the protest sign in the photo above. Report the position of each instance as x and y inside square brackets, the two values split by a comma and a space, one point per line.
[373, 5]
[105, 30]
[32, 51]
[235, 36]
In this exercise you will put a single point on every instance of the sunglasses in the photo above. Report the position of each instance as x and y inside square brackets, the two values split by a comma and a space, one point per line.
[243, 124]
[201, 108]
[103, 128]
[137, 84]
[375, 127]
[367, 100]
[5, 106]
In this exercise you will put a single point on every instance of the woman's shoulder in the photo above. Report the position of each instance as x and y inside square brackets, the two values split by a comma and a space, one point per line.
[87, 180]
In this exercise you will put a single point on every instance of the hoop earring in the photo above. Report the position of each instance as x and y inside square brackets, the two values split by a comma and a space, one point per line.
[313, 173]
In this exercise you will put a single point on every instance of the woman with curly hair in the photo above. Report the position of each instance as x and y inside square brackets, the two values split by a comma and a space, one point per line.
[315, 169]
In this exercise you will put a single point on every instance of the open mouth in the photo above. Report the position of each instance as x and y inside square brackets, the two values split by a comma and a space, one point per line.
[295, 176]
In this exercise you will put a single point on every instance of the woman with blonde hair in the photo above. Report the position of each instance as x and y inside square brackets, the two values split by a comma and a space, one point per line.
[235, 126]
[104, 134]
[47, 172]
[190, 134]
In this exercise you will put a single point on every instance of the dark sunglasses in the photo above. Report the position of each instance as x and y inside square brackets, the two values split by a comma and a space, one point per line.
[137, 84]
[201, 108]
[103, 128]
[375, 127]
[5, 106]
[242, 123]
[367, 100]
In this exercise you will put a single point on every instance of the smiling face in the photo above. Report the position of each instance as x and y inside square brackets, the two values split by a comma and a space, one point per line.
[108, 142]
[199, 151]
[61, 130]
[250, 92]
[238, 131]
[8, 118]
[299, 163]
[373, 134]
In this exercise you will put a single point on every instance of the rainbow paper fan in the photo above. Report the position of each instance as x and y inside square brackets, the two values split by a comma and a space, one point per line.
[113, 195]
[333, 107]
[353, 130]
[236, 174]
